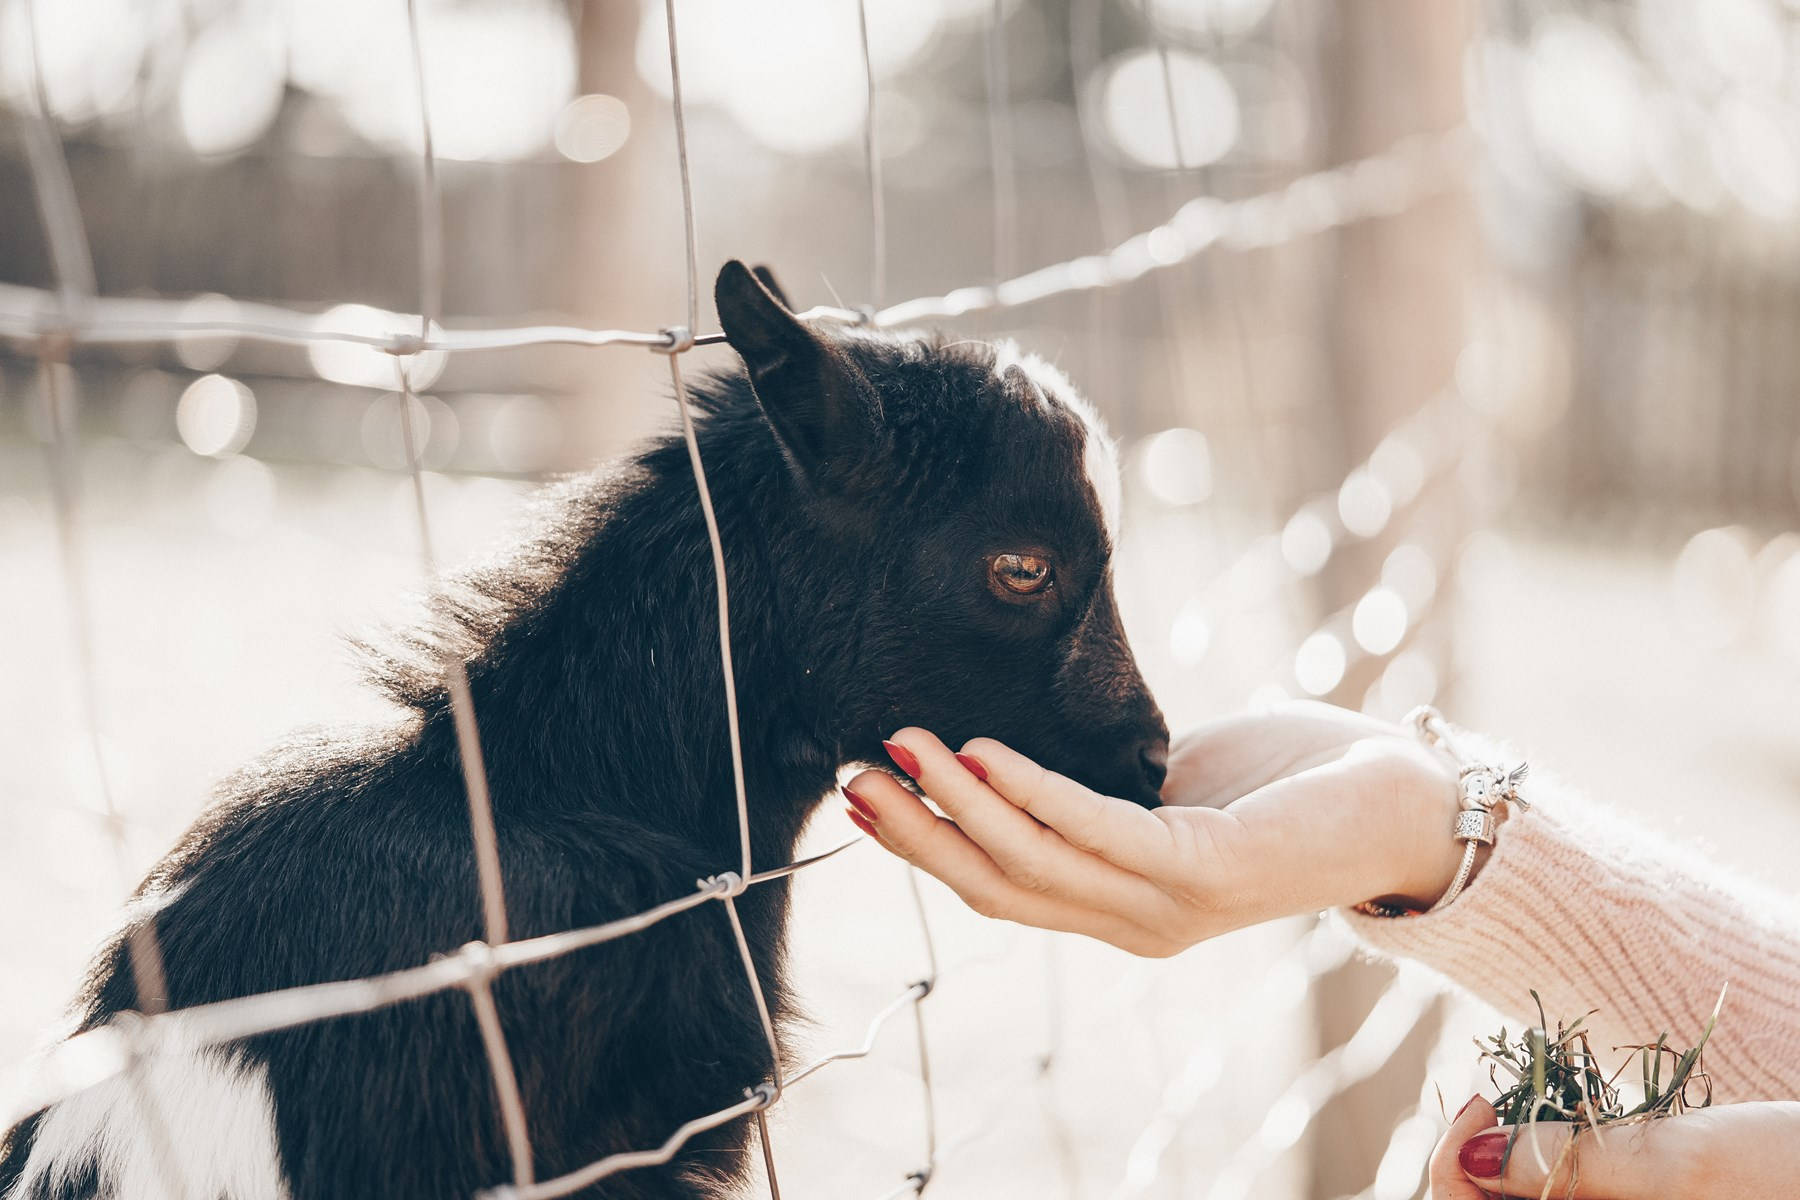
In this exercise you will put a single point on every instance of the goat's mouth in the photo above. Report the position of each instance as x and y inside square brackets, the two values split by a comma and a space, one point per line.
[1132, 769]
[1137, 791]
[1144, 796]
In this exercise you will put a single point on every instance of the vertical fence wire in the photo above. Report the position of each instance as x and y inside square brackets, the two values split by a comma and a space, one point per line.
[72, 265]
[878, 273]
[514, 1123]
[768, 1031]
[687, 186]
[1112, 213]
[872, 165]
[681, 341]
[1000, 155]
[927, 1093]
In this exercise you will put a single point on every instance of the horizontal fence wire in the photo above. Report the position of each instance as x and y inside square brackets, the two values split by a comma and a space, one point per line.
[1383, 184]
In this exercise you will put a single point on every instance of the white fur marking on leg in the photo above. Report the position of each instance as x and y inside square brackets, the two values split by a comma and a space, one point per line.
[217, 1119]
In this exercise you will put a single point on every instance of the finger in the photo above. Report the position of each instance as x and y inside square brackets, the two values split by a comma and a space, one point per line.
[1639, 1160]
[1122, 833]
[1445, 1173]
[1032, 855]
[906, 827]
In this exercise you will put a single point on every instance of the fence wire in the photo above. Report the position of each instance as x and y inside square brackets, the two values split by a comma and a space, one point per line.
[53, 322]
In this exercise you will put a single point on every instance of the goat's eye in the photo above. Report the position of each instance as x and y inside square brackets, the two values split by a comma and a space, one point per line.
[1024, 574]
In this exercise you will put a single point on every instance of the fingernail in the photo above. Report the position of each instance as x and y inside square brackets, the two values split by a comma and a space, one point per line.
[862, 822]
[903, 758]
[1465, 1108]
[1482, 1155]
[973, 766]
[860, 805]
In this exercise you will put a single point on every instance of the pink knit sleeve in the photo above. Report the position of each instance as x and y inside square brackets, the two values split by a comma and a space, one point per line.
[1595, 912]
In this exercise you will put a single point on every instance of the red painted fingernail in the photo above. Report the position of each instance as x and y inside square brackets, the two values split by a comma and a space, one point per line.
[863, 823]
[973, 766]
[903, 758]
[1482, 1155]
[1465, 1108]
[860, 805]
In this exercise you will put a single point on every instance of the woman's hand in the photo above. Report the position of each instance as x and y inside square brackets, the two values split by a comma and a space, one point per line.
[1732, 1152]
[1264, 816]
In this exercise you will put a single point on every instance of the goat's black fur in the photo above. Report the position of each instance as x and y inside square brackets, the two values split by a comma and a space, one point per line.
[860, 483]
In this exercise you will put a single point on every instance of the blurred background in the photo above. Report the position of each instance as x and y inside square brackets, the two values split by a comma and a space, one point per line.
[1503, 419]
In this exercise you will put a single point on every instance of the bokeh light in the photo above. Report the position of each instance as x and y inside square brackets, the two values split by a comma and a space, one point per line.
[1176, 466]
[1319, 663]
[1399, 467]
[1134, 104]
[232, 84]
[809, 97]
[1379, 621]
[216, 416]
[592, 127]
[1714, 586]
[1583, 91]
[496, 74]
[369, 366]
[1191, 635]
[92, 52]
[1306, 542]
[1364, 505]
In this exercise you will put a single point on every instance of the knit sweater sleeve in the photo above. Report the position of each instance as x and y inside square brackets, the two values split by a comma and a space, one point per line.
[1595, 912]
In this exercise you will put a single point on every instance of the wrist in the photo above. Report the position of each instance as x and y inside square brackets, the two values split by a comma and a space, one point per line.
[1428, 855]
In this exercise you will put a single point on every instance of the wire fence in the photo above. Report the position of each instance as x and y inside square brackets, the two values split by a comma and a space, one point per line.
[52, 323]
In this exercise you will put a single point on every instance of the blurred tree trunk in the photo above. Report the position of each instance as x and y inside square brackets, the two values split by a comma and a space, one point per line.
[1394, 331]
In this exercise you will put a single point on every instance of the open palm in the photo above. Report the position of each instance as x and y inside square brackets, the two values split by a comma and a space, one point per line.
[1264, 815]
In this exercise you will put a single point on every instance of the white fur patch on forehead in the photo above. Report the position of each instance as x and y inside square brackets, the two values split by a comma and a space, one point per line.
[1100, 456]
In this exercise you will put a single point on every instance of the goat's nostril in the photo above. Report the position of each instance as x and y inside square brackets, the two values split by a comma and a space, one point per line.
[1153, 757]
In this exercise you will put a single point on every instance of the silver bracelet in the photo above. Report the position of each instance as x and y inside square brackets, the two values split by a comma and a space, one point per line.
[1481, 789]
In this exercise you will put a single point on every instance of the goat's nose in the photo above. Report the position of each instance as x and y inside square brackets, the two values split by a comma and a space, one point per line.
[1153, 758]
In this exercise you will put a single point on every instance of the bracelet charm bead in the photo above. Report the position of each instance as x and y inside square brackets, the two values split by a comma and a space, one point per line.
[1475, 825]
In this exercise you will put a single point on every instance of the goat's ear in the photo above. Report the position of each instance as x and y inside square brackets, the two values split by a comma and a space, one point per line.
[766, 277]
[822, 409]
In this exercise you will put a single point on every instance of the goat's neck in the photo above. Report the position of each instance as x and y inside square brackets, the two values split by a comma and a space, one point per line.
[608, 696]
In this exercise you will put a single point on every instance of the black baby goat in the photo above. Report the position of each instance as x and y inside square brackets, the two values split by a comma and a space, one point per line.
[917, 532]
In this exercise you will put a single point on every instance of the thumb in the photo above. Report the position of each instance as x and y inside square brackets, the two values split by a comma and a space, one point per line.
[1448, 1181]
[1560, 1159]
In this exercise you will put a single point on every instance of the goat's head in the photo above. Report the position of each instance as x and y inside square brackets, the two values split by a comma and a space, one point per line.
[960, 502]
